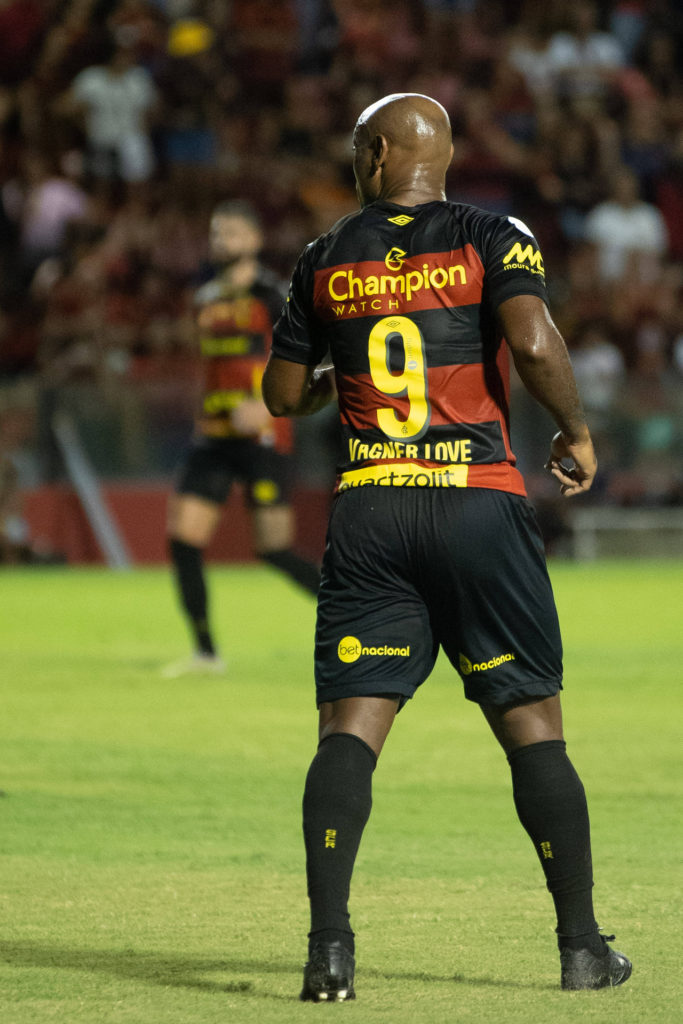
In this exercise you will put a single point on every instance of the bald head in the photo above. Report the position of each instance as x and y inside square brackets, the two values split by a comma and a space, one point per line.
[402, 149]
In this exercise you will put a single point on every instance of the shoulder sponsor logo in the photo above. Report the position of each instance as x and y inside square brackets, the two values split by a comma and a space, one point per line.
[526, 258]
[395, 258]
[350, 649]
[467, 666]
[401, 220]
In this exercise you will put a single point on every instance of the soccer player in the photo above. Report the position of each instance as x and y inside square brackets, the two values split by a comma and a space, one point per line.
[432, 541]
[236, 438]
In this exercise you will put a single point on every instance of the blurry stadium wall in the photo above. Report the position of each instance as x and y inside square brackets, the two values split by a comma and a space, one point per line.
[55, 518]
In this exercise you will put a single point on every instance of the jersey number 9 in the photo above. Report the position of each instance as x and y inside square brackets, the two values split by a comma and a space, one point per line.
[410, 383]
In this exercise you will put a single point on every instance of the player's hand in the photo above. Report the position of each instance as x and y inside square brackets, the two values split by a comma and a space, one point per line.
[576, 478]
[250, 418]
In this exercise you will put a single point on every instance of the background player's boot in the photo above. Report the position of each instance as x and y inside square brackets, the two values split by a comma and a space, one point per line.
[328, 975]
[583, 969]
[196, 665]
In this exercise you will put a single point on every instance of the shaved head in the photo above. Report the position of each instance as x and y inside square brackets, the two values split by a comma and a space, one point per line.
[407, 118]
[406, 137]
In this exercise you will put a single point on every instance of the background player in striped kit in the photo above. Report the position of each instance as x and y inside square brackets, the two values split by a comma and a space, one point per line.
[235, 436]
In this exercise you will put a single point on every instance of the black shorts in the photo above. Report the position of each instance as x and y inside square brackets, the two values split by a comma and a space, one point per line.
[214, 463]
[406, 571]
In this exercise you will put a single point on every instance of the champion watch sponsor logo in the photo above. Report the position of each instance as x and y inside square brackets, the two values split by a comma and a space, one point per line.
[350, 649]
[395, 258]
[398, 284]
[467, 666]
[343, 285]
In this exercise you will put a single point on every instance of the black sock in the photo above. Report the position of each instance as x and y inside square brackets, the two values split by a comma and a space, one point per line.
[302, 572]
[336, 806]
[189, 574]
[551, 804]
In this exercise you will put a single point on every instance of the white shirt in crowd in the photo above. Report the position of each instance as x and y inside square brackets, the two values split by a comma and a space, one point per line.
[117, 106]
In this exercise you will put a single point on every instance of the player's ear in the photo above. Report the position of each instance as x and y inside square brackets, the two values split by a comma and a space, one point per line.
[378, 151]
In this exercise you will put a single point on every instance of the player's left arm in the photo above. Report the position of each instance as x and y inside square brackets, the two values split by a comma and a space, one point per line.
[295, 389]
[543, 363]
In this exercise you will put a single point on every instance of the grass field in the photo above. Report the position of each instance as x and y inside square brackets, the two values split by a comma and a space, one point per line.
[151, 866]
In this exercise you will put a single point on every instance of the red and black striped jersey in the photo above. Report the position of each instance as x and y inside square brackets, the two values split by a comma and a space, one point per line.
[404, 300]
[235, 334]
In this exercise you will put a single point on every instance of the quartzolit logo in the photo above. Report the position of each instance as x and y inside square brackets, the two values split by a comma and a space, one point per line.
[350, 649]
[395, 258]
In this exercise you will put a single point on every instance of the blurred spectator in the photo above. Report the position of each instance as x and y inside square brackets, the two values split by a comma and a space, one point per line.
[527, 42]
[599, 369]
[381, 38]
[17, 546]
[117, 101]
[22, 27]
[318, 35]
[582, 59]
[645, 145]
[627, 22]
[651, 428]
[42, 201]
[574, 156]
[628, 233]
[195, 87]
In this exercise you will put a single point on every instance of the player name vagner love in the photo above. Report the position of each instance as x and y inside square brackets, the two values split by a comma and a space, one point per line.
[409, 474]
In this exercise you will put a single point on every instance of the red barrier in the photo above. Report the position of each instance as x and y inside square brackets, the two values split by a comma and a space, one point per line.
[57, 522]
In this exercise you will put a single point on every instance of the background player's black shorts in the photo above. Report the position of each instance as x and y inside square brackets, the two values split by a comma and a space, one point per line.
[406, 571]
[212, 464]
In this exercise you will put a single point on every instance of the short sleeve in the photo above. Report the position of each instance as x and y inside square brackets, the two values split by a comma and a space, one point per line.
[294, 334]
[513, 262]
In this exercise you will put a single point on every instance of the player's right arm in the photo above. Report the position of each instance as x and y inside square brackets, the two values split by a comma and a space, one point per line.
[294, 389]
[295, 383]
[543, 364]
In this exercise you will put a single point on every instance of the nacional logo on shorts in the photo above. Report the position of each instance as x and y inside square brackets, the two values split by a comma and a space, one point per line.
[467, 666]
[350, 649]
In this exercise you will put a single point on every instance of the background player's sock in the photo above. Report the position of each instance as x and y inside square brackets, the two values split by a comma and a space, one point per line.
[336, 807]
[302, 572]
[551, 804]
[189, 573]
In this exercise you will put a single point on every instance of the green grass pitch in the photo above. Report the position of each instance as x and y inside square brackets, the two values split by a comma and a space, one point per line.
[151, 867]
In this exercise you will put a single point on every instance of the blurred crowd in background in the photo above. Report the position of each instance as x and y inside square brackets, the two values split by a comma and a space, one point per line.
[123, 122]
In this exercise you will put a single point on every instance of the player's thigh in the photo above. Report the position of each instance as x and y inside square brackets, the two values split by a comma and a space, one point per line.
[272, 527]
[504, 636]
[192, 519]
[526, 723]
[373, 632]
[369, 718]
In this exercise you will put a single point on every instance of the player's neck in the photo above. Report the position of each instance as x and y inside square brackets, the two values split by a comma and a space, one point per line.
[412, 189]
[414, 197]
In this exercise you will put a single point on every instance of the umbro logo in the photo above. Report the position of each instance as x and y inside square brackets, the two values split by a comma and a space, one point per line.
[401, 220]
